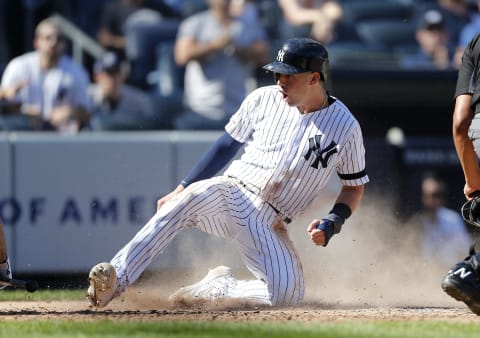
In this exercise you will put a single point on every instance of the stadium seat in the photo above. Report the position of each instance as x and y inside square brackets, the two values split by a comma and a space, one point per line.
[141, 42]
[124, 123]
[356, 11]
[386, 33]
[17, 122]
[190, 7]
[355, 55]
[270, 14]
[167, 82]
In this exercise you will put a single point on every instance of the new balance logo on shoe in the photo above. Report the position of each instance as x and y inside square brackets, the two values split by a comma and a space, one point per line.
[462, 273]
[462, 283]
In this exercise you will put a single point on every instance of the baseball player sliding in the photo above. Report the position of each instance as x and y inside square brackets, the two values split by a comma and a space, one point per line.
[295, 137]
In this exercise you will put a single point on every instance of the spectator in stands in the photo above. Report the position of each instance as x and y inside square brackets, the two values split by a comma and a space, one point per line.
[219, 52]
[316, 19]
[434, 48]
[457, 15]
[467, 33]
[443, 233]
[51, 87]
[113, 100]
[111, 33]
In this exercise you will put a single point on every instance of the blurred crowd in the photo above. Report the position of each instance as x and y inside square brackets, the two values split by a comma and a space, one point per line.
[187, 64]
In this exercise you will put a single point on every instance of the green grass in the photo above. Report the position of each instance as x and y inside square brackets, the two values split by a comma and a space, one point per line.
[354, 329]
[44, 295]
[94, 327]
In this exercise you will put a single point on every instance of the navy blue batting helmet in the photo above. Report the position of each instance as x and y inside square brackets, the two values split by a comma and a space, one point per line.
[300, 55]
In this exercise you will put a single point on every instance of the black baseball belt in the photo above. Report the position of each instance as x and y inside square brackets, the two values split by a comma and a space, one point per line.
[248, 187]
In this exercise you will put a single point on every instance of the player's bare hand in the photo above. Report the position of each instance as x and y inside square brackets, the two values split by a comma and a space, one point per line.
[317, 236]
[169, 196]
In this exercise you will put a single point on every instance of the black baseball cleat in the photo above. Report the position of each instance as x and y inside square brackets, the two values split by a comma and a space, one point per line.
[463, 282]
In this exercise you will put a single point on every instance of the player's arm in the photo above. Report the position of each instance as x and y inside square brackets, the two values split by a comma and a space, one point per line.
[351, 196]
[219, 154]
[462, 118]
[347, 202]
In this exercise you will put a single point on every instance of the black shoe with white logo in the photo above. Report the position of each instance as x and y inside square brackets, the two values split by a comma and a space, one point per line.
[463, 282]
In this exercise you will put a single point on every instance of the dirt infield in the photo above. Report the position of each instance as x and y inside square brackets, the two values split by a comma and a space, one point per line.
[334, 299]
[372, 271]
[146, 302]
[79, 310]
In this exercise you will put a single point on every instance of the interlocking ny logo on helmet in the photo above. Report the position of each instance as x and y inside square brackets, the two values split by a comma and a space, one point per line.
[300, 55]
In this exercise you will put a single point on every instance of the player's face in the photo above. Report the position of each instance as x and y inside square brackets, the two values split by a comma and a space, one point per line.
[294, 88]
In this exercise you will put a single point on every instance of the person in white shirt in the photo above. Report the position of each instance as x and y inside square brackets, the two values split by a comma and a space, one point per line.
[219, 52]
[54, 90]
[444, 234]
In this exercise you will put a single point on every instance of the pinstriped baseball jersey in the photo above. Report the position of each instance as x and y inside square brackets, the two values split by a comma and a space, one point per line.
[289, 157]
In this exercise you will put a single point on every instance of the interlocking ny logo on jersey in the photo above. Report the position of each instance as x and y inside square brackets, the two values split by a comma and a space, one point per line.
[280, 55]
[321, 155]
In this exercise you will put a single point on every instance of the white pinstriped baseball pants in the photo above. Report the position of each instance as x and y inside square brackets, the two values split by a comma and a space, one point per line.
[221, 207]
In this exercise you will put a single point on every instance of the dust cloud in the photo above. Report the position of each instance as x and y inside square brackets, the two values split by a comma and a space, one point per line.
[373, 262]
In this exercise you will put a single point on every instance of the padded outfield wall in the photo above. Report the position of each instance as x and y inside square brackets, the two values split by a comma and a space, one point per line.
[69, 202]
